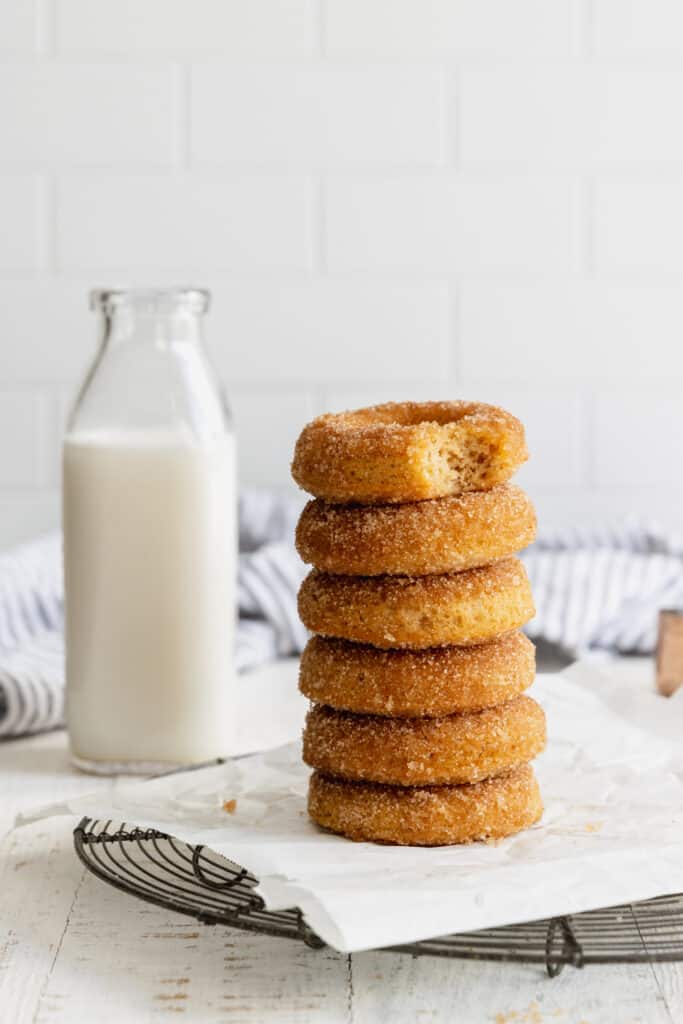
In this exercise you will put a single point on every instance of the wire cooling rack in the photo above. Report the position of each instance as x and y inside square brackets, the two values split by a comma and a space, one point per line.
[195, 881]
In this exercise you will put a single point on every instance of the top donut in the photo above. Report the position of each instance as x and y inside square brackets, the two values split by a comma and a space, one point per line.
[408, 451]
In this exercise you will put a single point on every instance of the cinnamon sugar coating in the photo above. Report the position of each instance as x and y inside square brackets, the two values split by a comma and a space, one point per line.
[424, 611]
[429, 815]
[408, 451]
[417, 538]
[410, 684]
[451, 750]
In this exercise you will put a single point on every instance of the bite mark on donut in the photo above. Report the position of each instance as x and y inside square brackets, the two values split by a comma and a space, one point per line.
[408, 451]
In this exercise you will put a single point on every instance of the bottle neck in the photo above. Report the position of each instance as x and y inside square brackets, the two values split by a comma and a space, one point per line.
[156, 317]
[151, 371]
[127, 325]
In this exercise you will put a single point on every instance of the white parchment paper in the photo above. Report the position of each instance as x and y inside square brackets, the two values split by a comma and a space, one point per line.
[612, 782]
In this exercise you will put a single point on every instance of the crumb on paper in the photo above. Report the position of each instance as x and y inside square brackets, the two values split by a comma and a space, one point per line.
[532, 1014]
[229, 806]
[593, 826]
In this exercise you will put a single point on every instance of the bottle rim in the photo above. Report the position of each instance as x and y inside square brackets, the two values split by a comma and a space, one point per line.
[150, 300]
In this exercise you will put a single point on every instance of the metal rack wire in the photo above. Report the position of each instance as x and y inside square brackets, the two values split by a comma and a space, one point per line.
[195, 881]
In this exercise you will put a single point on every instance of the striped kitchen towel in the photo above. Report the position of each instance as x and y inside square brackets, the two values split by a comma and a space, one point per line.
[32, 611]
[594, 589]
[602, 589]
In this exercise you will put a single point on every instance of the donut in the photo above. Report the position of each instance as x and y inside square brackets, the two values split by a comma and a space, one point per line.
[418, 538]
[451, 750]
[418, 611]
[426, 815]
[412, 684]
[408, 451]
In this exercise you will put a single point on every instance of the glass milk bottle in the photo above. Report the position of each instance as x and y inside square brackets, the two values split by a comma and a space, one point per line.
[150, 550]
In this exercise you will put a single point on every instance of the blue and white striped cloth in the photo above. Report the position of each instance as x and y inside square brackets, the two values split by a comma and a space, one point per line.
[594, 589]
[32, 611]
[602, 589]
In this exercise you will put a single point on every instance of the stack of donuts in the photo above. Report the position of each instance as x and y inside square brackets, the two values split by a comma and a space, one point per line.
[420, 732]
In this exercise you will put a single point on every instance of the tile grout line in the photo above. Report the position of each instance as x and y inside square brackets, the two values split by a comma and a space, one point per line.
[45, 417]
[585, 449]
[453, 356]
[452, 114]
[46, 228]
[587, 30]
[318, 226]
[45, 40]
[183, 116]
[588, 226]
[319, 14]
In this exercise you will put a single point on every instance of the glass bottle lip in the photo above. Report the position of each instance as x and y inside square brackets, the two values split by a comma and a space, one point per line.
[150, 300]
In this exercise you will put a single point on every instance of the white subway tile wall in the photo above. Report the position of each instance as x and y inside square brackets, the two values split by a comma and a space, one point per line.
[20, 243]
[444, 223]
[438, 28]
[388, 199]
[318, 115]
[249, 223]
[73, 115]
[633, 437]
[639, 225]
[330, 331]
[625, 28]
[562, 116]
[21, 425]
[17, 26]
[232, 27]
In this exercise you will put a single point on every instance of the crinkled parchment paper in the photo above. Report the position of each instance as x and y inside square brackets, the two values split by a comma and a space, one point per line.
[612, 782]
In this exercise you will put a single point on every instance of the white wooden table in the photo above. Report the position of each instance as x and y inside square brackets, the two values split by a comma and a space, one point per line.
[73, 949]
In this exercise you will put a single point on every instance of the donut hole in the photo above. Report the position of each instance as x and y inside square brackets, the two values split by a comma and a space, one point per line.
[412, 414]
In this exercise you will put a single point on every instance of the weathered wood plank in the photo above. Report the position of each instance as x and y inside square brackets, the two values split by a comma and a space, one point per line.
[39, 874]
[135, 962]
[670, 981]
[38, 879]
[669, 976]
[394, 989]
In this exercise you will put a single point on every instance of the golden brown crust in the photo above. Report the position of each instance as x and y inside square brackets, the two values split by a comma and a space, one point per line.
[411, 684]
[417, 538]
[424, 611]
[424, 751]
[426, 816]
[408, 451]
